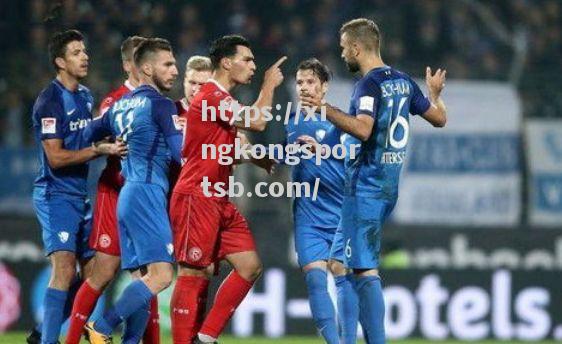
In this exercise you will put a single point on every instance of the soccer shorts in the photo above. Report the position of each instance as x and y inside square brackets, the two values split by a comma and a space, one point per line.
[105, 231]
[313, 243]
[66, 222]
[362, 221]
[207, 229]
[144, 226]
[336, 251]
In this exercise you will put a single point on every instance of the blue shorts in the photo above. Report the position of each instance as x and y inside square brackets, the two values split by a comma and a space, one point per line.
[362, 221]
[144, 226]
[313, 244]
[66, 222]
[337, 250]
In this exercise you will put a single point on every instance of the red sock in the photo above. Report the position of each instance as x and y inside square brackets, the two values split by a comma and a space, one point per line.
[152, 332]
[188, 307]
[229, 296]
[84, 304]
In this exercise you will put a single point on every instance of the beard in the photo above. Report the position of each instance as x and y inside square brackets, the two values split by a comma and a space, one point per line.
[161, 84]
[352, 66]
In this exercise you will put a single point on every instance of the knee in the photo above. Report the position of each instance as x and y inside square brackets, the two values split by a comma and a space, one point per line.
[337, 268]
[252, 270]
[63, 275]
[163, 277]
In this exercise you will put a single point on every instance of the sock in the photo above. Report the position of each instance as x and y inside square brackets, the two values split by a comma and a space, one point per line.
[348, 308]
[134, 297]
[188, 303]
[53, 316]
[135, 325]
[84, 304]
[321, 304]
[72, 291]
[229, 296]
[371, 305]
[152, 332]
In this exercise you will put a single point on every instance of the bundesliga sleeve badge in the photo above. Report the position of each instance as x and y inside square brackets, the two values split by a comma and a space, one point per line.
[48, 125]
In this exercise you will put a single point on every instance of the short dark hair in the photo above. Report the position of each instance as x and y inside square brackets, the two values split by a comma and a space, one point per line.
[148, 47]
[59, 42]
[128, 46]
[318, 68]
[225, 47]
[365, 31]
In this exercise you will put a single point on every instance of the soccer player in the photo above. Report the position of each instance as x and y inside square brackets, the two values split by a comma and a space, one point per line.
[104, 238]
[60, 195]
[377, 120]
[208, 228]
[316, 221]
[198, 70]
[144, 119]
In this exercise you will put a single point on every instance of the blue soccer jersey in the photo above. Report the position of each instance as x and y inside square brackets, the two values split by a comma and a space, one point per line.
[147, 122]
[59, 113]
[324, 212]
[389, 96]
[371, 179]
[316, 220]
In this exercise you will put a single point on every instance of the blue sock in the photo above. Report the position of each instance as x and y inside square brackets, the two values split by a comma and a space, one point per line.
[321, 304]
[348, 308]
[371, 303]
[53, 316]
[134, 297]
[135, 325]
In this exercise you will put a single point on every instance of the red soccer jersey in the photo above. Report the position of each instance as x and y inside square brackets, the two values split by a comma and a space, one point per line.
[111, 174]
[214, 131]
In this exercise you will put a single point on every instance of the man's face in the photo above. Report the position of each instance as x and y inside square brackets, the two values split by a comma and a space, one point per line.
[75, 60]
[309, 83]
[242, 65]
[193, 81]
[164, 70]
[348, 53]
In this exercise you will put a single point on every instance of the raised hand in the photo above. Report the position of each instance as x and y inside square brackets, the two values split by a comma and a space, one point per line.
[435, 82]
[273, 76]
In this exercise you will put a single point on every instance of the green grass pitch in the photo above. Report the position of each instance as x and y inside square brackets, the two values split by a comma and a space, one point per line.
[19, 337]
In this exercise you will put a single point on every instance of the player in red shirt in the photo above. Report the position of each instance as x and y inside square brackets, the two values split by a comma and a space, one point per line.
[209, 229]
[104, 238]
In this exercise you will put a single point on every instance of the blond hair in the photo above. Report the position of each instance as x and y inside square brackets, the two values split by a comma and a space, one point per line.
[198, 63]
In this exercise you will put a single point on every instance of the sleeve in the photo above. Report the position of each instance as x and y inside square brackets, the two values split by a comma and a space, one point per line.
[366, 98]
[48, 118]
[418, 103]
[106, 104]
[97, 129]
[165, 114]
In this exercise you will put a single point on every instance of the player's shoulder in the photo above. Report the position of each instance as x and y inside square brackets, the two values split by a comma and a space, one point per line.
[50, 96]
[212, 89]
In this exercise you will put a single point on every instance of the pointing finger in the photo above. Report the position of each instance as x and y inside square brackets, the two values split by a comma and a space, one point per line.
[280, 61]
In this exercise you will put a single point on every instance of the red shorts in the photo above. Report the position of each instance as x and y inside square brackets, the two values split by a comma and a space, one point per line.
[105, 233]
[205, 230]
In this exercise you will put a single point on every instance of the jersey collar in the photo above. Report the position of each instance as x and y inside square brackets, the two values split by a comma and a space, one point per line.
[128, 85]
[218, 85]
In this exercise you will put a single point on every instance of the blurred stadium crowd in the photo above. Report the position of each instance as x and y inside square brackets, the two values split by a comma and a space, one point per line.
[519, 41]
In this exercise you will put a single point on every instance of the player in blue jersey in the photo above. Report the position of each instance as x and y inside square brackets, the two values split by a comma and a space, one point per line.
[316, 221]
[377, 120]
[60, 113]
[147, 122]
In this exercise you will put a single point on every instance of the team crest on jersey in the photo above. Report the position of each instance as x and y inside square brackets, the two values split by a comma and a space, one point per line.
[63, 236]
[49, 125]
[195, 254]
[104, 241]
[170, 248]
[320, 133]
